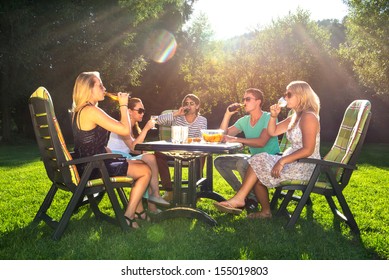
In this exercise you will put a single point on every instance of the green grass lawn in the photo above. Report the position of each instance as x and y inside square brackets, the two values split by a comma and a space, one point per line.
[317, 236]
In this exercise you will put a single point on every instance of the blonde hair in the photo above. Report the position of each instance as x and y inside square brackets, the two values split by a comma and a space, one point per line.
[82, 90]
[308, 101]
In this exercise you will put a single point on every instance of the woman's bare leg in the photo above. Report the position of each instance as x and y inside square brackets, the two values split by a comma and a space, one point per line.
[249, 181]
[141, 173]
[151, 161]
[262, 194]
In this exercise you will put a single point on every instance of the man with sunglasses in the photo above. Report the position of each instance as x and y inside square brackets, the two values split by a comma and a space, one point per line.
[254, 127]
[187, 115]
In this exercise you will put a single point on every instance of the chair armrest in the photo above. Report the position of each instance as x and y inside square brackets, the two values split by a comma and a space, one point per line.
[93, 158]
[327, 163]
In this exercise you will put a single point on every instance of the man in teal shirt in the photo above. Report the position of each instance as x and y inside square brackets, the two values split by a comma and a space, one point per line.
[254, 127]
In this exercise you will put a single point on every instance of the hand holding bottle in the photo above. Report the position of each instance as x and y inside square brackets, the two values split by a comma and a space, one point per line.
[235, 107]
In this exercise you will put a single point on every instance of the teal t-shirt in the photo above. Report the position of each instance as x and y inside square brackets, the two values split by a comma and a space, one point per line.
[243, 124]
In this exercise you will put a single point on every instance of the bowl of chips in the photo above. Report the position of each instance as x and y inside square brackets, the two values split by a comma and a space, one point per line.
[212, 135]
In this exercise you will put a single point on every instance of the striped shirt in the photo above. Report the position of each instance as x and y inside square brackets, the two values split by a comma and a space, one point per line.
[194, 128]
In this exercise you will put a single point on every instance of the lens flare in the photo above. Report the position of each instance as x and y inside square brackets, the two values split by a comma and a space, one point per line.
[160, 46]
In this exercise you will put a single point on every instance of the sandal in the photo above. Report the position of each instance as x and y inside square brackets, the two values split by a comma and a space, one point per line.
[138, 216]
[227, 209]
[130, 222]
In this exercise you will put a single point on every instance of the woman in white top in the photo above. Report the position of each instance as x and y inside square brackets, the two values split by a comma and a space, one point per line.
[302, 129]
[125, 145]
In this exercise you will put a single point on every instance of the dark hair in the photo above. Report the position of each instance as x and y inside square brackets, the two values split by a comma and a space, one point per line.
[192, 97]
[131, 105]
[258, 94]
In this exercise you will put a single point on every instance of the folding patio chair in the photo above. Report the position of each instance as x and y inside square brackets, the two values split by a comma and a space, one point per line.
[332, 173]
[62, 172]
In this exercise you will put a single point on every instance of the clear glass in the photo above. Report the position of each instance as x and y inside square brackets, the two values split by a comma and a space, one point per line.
[282, 102]
[154, 118]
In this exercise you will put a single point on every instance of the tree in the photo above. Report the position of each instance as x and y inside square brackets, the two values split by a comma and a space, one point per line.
[367, 47]
[50, 42]
[291, 48]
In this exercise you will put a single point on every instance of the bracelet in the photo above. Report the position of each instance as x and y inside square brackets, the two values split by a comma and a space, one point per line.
[273, 116]
[123, 105]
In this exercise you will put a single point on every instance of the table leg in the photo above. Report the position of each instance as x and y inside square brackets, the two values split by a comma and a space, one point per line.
[206, 184]
[177, 187]
[182, 208]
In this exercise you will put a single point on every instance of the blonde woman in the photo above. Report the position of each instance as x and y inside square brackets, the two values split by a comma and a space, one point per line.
[91, 126]
[266, 171]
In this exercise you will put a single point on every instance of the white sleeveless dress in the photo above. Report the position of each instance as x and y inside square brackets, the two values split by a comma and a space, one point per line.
[263, 163]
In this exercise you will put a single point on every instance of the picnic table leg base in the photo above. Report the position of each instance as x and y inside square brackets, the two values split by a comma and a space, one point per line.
[184, 212]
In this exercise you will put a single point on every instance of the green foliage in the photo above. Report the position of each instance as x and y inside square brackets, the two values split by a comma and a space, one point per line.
[50, 42]
[292, 48]
[367, 42]
[25, 184]
[144, 10]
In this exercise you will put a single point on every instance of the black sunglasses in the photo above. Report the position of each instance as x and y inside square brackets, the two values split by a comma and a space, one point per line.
[140, 110]
[247, 99]
[288, 94]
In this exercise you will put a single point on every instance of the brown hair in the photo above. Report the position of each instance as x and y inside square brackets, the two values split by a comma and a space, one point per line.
[131, 105]
[194, 98]
[258, 94]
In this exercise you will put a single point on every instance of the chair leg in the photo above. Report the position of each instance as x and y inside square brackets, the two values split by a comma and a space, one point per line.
[278, 194]
[42, 212]
[282, 209]
[94, 205]
[349, 217]
[119, 213]
[303, 201]
[68, 212]
[274, 200]
[122, 197]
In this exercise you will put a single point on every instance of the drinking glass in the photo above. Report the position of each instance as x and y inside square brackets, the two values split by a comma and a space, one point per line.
[154, 118]
[282, 102]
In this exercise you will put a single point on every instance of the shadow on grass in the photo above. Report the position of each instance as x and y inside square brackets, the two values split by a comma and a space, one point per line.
[235, 237]
[375, 154]
[18, 155]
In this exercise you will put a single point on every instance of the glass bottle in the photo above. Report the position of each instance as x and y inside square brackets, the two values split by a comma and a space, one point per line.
[236, 107]
[113, 96]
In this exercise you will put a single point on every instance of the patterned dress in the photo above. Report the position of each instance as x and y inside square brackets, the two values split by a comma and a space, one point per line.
[263, 163]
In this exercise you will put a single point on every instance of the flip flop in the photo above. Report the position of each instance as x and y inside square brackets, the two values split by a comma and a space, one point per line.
[226, 209]
[158, 200]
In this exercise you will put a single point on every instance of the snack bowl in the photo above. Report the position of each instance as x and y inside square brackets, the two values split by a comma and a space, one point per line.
[212, 135]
